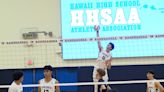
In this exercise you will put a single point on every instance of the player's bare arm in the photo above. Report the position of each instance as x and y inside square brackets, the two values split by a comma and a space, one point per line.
[158, 85]
[57, 87]
[39, 88]
[98, 38]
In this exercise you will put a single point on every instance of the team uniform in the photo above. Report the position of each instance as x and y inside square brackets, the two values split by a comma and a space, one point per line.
[15, 88]
[102, 57]
[151, 86]
[48, 86]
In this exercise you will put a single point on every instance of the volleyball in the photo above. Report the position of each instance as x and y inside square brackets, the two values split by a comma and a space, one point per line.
[96, 27]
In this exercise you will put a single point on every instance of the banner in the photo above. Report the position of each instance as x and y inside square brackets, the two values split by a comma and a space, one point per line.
[116, 18]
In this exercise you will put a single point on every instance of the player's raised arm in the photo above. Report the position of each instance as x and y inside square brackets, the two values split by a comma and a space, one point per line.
[97, 28]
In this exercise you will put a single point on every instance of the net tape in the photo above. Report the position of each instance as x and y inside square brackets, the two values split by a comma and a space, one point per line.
[58, 40]
[89, 83]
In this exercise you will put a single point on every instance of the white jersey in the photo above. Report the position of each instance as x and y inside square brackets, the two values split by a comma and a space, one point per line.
[151, 86]
[15, 88]
[103, 56]
[48, 86]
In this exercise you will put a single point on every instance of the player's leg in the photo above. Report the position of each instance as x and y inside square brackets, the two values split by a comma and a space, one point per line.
[106, 79]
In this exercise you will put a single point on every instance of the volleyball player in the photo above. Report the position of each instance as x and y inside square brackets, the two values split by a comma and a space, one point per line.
[153, 85]
[48, 82]
[104, 59]
[16, 85]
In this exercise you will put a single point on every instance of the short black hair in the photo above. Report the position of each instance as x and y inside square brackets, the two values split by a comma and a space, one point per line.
[151, 72]
[48, 67]
[17, 75]
[112, 45]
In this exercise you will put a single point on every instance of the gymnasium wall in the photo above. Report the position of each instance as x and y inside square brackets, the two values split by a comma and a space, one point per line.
[45, 16]
[19, 14]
